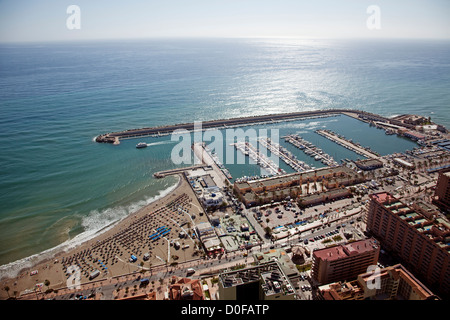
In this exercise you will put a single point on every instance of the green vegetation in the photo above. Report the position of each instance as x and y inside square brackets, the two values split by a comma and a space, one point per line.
[303, 267]
[239, 266]
[215, 280]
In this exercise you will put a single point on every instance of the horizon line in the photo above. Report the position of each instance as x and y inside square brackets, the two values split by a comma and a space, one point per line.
[223, 38]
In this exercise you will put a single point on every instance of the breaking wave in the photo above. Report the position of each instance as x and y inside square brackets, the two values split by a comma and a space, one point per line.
[95, 223]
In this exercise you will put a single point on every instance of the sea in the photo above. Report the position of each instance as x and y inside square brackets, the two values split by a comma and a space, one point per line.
[58, 187]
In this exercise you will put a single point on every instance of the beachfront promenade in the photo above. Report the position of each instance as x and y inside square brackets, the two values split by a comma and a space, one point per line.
[115, 137]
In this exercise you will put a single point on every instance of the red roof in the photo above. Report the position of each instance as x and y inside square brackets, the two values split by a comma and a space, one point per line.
[382, 197]
[176, 290]
[343, 251]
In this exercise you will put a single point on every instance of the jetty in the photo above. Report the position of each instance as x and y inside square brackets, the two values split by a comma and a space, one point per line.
[348, 144]
[311, 150]
[164, 173]
[262, 160]
[115, 137]
[284, 154]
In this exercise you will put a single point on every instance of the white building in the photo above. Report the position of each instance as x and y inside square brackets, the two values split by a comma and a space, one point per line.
[212, 198]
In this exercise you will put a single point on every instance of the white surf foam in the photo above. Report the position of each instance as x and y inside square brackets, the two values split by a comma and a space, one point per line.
[94, 224]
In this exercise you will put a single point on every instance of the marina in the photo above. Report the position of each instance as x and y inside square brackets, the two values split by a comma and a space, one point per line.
[285, 155]
[311, 150]
[264, 162]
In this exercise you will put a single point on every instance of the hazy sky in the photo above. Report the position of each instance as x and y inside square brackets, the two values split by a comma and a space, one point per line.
[45, 20]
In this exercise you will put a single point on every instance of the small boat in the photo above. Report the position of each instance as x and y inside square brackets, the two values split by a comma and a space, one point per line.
[141, 145]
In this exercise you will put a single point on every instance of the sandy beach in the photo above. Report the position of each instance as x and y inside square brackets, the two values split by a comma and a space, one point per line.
[159, 234]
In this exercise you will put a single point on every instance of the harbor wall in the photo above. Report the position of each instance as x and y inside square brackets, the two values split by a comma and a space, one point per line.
[113, 137]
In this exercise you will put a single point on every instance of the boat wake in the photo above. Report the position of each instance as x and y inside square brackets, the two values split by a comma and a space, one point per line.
[160, 143]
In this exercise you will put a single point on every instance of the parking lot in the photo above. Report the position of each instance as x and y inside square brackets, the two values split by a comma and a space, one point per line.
[286, 214]
[304, 286]
[286, 217]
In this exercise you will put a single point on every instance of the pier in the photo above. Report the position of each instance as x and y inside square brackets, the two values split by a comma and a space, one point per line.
[164, 173]
[311, 150]
[264, 162]
[115, 137]
[217, 161]
[350, 145]
[290, 159]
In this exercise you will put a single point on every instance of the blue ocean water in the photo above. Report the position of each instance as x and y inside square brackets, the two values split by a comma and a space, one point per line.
[57, 185]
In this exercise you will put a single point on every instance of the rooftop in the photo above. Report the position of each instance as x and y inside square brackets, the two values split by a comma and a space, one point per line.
[359, 289]
[186, 289]
[344, 251]
[281, 257]
[399, 271]
[271, 276]
[275, 180]
[435, 229]
[384, 197]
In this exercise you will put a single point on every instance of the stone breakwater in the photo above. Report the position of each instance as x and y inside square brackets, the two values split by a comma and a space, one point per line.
[115, 137]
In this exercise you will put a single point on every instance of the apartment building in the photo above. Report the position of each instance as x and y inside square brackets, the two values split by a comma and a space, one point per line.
[422, 243]
[390, 283]
[266, 281]
[442, 192]
[344, 262]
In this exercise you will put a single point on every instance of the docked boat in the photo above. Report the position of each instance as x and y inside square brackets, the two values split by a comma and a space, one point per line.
[141, 145]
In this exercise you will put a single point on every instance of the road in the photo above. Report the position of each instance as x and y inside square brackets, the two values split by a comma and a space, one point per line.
[203, 267]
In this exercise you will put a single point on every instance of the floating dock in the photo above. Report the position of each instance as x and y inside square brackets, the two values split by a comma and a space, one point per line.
[290, 159]
[264, 162]
[311, 150]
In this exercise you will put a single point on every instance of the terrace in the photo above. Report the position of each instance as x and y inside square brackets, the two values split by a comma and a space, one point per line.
[434, 229]
[411, 215]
